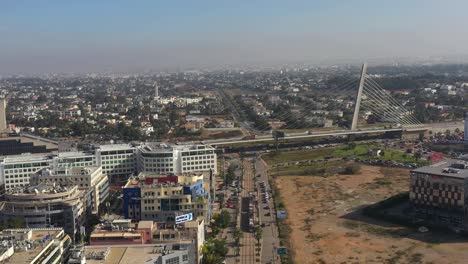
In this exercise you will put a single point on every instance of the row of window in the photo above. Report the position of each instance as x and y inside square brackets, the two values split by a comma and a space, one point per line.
[198, 162]
[198, 168]
[132, 161]
[198, 157]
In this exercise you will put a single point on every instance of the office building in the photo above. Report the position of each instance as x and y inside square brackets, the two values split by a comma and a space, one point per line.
[91, 179]
[163, 198]
[438, 193]
[15, 171]
[46, 205]
[118, 161]
[176, 159]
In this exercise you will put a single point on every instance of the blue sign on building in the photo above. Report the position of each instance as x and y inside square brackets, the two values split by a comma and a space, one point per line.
[184, 218]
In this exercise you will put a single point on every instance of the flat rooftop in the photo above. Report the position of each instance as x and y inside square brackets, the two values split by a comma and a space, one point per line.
[27, 157]
[29, 255]
[73, 154]
[115, 147]
[123, 255]
[445, 168]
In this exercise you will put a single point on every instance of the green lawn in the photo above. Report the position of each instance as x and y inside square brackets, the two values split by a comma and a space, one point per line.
[292, 156]
[356, 151]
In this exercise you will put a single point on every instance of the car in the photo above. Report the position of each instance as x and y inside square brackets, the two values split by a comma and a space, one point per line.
[268, 214]
[266, 207]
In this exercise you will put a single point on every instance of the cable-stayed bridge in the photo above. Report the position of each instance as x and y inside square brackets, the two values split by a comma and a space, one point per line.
[370, 98]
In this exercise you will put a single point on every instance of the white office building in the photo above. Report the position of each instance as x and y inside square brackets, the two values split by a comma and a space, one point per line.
[116, 161]
[175, 159]
[15, 171]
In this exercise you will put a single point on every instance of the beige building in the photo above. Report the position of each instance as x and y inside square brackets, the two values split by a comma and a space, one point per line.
[89, 179]
[162, 198]
[39, 245]
[46, 205]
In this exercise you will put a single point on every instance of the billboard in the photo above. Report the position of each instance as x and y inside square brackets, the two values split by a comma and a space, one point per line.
[183, 218]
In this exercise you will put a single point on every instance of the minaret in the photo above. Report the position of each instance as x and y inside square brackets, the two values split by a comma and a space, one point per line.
[156, 90]
[3, 124]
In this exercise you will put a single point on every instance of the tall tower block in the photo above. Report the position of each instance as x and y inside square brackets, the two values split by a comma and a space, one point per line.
[465, 138]
[156, 90]
[3, 124]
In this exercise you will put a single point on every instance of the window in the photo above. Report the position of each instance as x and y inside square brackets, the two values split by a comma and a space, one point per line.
[174, 260]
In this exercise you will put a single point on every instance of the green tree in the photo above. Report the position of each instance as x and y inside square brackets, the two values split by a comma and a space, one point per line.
[258, 233]
[214, 251]
[223, 219]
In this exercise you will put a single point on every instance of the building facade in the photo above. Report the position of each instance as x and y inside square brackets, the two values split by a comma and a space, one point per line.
[118, 161]
[35, 245]
[161, 199]
[176, 159]
[44, 206]
[90, 179]
[438, 194]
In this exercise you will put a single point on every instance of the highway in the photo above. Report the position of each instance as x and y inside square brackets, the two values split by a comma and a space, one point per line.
[306, 135]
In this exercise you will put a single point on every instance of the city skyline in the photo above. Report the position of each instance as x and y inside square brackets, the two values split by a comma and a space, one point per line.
[55, 36]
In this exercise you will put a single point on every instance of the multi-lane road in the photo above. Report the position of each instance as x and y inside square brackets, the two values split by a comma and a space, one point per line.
[247, 247]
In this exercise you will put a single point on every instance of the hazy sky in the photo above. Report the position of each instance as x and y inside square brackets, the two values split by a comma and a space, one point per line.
[93, 35]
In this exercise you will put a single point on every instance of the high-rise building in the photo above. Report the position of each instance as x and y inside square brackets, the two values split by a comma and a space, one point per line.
[465, 138]
[3, 123]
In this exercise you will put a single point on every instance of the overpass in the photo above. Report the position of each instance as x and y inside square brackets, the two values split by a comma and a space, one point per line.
[267, 138]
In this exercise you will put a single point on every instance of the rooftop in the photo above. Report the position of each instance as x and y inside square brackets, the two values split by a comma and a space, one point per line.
[455, 168]
[131, 254]
[74, 154]
[115, 147]
[27, 158]
[117, 255]
[40, 238]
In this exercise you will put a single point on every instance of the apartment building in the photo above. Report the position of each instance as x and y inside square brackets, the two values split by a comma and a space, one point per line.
[34, 245]
[161, 199]
[438, 193]
[123, 232]
[91, 179]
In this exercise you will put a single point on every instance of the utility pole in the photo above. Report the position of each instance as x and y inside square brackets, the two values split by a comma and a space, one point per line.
[358, 98]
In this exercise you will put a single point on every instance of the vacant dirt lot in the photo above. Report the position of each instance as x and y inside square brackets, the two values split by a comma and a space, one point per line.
[327, 229]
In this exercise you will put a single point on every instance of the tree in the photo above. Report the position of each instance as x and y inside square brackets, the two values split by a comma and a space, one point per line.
[15, 222]
[418, 155]
[258, 233]
[223, 219]
[214, 251]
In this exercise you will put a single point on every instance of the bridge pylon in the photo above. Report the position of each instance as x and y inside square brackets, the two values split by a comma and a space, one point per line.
[358, 98]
